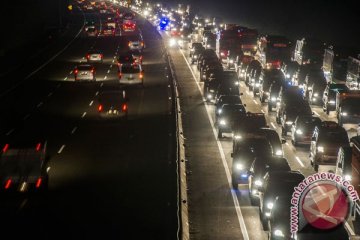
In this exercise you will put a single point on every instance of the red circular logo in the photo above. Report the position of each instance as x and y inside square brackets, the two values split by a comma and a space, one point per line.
[325, 205]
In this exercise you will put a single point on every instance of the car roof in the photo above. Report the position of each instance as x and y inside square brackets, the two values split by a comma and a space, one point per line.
[285, 176]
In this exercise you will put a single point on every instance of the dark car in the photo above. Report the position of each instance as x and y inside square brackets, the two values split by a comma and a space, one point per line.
[244, 154]
[259, 168]
[254, 66]
[113, 104]
[230, 113]
[325, 143]
[329, 96]
[279, 219]
[289, 69]
[126, 59]
[273, 98]
[195, 53]
[302, 129]
[268, 77]
[314, 87]
[249, 124]
[226, 87]
[226, 99]
[276, 183]
[137, 55]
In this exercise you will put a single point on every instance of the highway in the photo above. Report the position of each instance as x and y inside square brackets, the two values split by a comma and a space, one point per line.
[215, 209]
[108, 178]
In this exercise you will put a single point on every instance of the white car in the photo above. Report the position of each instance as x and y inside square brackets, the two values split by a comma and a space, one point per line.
[131, 74]
[94, 56]
[84, 72]
[135, 42]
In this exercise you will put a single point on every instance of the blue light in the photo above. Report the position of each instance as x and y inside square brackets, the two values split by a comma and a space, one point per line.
[244, 175]
[163, 23]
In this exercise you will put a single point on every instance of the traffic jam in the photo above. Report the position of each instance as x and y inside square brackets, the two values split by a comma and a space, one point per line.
[272, 99]
[282, 109]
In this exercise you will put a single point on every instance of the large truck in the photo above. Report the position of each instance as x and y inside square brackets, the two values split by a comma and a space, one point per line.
[248, 39]
[227, 39]
[309, 51]
[24, 167]
[348, 107]
[335, 63]
[348, 166]
[273, 50]
[353, 73]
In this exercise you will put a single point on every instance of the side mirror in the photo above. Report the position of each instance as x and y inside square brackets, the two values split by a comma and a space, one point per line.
[283, 141]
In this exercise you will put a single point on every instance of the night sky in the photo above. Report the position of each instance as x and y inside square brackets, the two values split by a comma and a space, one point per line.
[333, 21]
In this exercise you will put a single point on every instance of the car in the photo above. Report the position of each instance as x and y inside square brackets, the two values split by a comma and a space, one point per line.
[230, 113]
[226, 88]
[247, 149]
[91, 32]
[108, 31]
[276, 183]
[133, 74]
[311, 233]
[315, 87]
[113, 104]
[302, 129]
[273, 137]
[268, 77]
[289, 68]
[254, 80]
[84, 72]
[253, 66]
[126, 59]
[313, 76]
[195, 54]
[241, 64]
[325, 143]
[279, 219]
[273, 98]
[211, 86]
[135, 42]
[137, 55]
[258, 169]
[94, 56]
[226, 99]
[89, 24]
[249, 124]
[329, 95]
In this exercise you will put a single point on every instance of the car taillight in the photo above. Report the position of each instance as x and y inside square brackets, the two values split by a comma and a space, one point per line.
[129, 44]
[101, 55]
[88, 56]
[38, 183]
[141, 75]
[142, 44]
[100, 108]
[76, 71]
[6, 147]
[38, 146]
[7, 184]
[124, 108]
[140, 57]
[92, 71]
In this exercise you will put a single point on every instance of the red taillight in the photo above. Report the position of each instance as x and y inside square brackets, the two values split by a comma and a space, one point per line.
[38, 183]
[88, 56]
[76, 71]
[141, 75]
[101, 55]
[92, 70]
[142, 44]
[100, 108]
[38, 146]
[129, 44]
[124, 108]
[5, 147]
[7, 184]
[140, 57]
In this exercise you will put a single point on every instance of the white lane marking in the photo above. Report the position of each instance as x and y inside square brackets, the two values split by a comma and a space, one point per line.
[83, 58]
[80, 61]
[108, 71]
[50, 94]
[71, 72]
[39, 105]
[91, 103]
[114, 56]
[226, 167]
[299, 161]
[262, 111]
[316, 114]
[26, 116]
[96, 93]
[113, 61]
[65, 78]
[102, 84]
[351, 231]
[9, 132]
[74, 129]
[83, 115]
[104, 79]
[61, 148]
[111, 65]
[273, 125]
[255, 102]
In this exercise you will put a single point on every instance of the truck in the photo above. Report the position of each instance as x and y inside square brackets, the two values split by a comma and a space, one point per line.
[335, 63]
[348, 166]
[309, 51]
[273, 50]
[353, 73]
[128, 25]
[347, 107]
[24, 167]
[228, 39]
[248, 39]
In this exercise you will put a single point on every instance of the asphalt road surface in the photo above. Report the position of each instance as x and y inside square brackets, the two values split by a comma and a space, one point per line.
[109, 178]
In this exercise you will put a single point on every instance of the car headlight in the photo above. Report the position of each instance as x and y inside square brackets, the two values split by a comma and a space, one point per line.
[320, 149]
[243, 70]
[231, 61]
[287, 75]
[344, 114]
[172, 42]
[316, 94]
[237, 137]
[219, 111]
[273, 99]
[239, 166]
[347, 177]
[270, 205]
[299, 131]
[222, 54]
[237, 83]
[258, 183]
[212, 90]
[279, 152]
[289, 122]
[332, 102]
[222, 122]
[257, 84]
[209, 96]
[278, 233]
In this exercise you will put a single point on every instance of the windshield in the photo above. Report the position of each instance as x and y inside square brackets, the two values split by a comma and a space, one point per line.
[278, 53]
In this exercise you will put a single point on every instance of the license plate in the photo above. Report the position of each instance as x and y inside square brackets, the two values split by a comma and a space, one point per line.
[84, 73]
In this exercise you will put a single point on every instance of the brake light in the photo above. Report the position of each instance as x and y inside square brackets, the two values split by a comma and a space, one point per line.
[92, 70]
[142, 43]
[7, 184]
[38, 183]
[129, 44]
[100, 108]
[141, 75]
[101, 56]
[124, 107]
[6, 147]
[76, 71]
[38, 146]
[88, 56]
